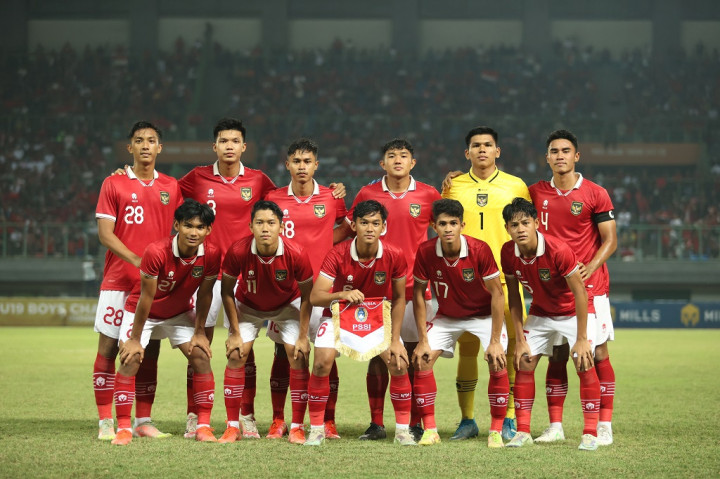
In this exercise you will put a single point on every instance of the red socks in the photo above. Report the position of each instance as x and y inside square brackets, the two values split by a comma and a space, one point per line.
[606, 376]
[279, 382]
[234, 383]
[376, 387]
[299, 394]
[425, 390]
[590, 400]
[498, 392]
[124, 394]
[104, 385]
[318, 390]
[401, 397]
[556, 387]
[145, 386]
[248, 396]
[524, 398]
[191, 408]
[204, 395]
[332, 397]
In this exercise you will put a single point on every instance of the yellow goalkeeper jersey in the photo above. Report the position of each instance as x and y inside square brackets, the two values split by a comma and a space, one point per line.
[483, 202]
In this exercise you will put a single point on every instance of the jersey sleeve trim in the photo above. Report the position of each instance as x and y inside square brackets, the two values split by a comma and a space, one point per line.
[324, 274]
[305, 280]
[420, 280]
[496, 274]
[105, 217]
[146, 275]
[577, 266]
[229, 276]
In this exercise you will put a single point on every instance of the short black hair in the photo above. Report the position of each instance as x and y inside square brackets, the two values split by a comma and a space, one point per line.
[266, 205]
[193, 209]
[397, 144]
[562, 135]
[142, 125]
[481, 130]
[369, 207]
[229, 124]
[303, 144]
[449, 207]
[519, 206]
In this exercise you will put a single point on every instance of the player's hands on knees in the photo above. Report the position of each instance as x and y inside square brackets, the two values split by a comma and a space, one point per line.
[421, 355]
[354, 296]
[302, 349]
[522, 354]
[398, 356]
[130, 348]
[234, 342]
[200, 341]
[447, 182]
[338, 190]
[495, 356]
[582, 355]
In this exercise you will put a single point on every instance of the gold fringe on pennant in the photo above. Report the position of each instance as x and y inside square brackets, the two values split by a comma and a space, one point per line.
[368, 355]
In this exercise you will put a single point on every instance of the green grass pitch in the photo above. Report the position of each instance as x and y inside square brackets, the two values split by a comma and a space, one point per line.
[666, 421]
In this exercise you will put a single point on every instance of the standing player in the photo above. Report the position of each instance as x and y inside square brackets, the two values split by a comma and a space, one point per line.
[548, 269]
[276, 280]
[466, 280]
[310, 213]
[581, 212]
[483, 191]
[409, 206]
[171, 271]
[133, 210]
[354, 270]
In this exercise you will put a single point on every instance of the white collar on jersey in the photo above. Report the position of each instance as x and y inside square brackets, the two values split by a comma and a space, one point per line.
[316, 189]
[131, 174]
[412, 186]
[577, 185]
[353, 250]
[176, 250]
[279, 252]
[216, 170]
[538, 252]
[463, 247]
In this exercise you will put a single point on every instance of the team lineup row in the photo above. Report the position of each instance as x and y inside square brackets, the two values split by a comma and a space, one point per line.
[137, 208]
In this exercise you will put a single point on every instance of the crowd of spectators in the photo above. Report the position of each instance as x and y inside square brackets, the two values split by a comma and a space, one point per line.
[63, 110]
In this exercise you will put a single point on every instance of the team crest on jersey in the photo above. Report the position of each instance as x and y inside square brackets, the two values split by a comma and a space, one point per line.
[164, 197]
[482, 199]
[414, 210]
[246, 193]
[280, 274]
[379, 277]
[361, 314]
[468, 275]
[544, 274]
[576, 208]
[197, 271]
[319, 210]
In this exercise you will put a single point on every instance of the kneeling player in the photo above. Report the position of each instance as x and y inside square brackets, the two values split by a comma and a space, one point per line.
[549, 270]
[275, 287]
[161, 306]
[466, 281]
[352, 271]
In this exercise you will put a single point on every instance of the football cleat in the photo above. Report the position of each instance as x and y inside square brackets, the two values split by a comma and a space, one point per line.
[123, 437]
[604, 435]
[374, 433]
[231, 434]
[249, 427]
[297, 435]
[107, 430]
[429, 438]
[404, 438]
[588, 443]
[331, 430]
[495, 440]
[509, 428]
[466, 429]
[316, 437]
[551, 434]
[520, 439]
[417, 432]
[149, 429]
[277, 430]
[205, 434]
[191, 426]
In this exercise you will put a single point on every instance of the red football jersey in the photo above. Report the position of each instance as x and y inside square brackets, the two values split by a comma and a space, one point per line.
[177, 278]
[459, 285]
[143, 212]
[574, 215]
[267, 283]
[544, 275]
[309, 221]
[231, 199]
[409, 217]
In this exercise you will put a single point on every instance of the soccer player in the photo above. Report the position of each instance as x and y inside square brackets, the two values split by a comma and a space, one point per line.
[409, 206]
[275, 283]
[548, 269]
[483, 191]
[171, 271]
[354, 270]
[581, 212]
[466, 280]
[310, 213]
[133, 210]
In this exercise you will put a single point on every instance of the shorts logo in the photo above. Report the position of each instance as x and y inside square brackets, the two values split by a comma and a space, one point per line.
[319, 210]
[246, 193]
[414, 210]
[576, 208]
[482, 199]
[380, 277]
[197, 271]
[361, 314]
[544, 274]
[164, 197]
[468, 275]
[281, 275]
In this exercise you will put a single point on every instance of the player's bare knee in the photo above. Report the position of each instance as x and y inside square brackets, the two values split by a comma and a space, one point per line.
[560, 353]
[209, 333]
[152, 351]
[235, 361]
[601, 352]
[130, 367]
[107, 347]
[377, 367]
[323, 361]
[280, 351]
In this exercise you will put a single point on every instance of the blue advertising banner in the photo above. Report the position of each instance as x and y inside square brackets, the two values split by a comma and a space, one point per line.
[671, 314]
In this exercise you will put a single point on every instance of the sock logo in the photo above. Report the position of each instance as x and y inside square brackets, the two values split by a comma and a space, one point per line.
[211, 397]
[603, 388]
[100, 381]
[548, 390]
[420, 401]
[151, 388]
[590, 406]
[500, 400]
[228, 391]
[304, 397]
[122, 398]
